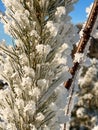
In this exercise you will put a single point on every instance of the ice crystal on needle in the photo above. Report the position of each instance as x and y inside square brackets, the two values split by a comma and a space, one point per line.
[34, 67]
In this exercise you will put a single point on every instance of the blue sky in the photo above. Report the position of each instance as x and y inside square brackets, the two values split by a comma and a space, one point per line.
[79, 13]
[2, 34]
[78, 16]
[1, 6]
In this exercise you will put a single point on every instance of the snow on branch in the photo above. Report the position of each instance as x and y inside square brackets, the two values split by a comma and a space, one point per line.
[84, 40]
[37, 65]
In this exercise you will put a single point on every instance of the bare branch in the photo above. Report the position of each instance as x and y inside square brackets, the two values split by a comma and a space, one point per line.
[84, 40]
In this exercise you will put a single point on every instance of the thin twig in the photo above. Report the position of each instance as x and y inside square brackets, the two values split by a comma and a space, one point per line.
[84, 40]
[72, 92]
[69, 103]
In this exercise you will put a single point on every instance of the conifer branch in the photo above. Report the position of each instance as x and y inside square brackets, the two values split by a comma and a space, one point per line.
[84, 40]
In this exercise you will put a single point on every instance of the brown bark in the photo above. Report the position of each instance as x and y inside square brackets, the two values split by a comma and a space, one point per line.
[82, 44]
[84, 40]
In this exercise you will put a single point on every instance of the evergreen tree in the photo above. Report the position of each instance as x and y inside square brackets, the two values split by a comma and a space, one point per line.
[37, 64]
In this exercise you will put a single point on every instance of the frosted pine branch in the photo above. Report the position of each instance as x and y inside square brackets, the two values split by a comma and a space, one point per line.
[37, 64]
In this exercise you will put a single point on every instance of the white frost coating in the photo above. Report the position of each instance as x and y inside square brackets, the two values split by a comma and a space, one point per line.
[80, 112]
[60, 11]
[30, 107]
[26, 81]
[29, 71]
[42, 83]
[40, 117]
[37, 66]
[79, 57]
[88, 9]
[19, 103]
[43, 49]
[53, 28]
[95, 128]
[34, 33]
